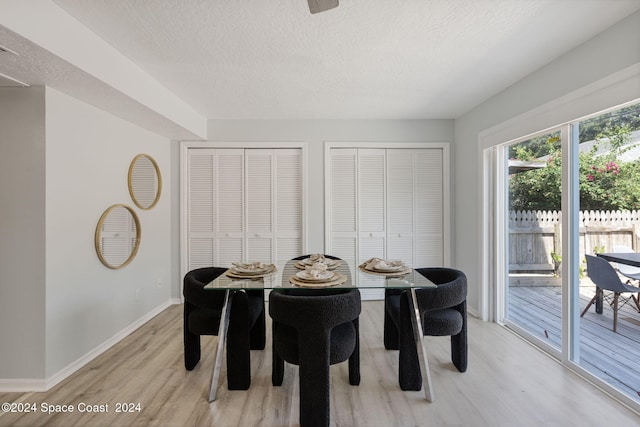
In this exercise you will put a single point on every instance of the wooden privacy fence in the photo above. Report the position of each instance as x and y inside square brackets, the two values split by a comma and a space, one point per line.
[535, 235]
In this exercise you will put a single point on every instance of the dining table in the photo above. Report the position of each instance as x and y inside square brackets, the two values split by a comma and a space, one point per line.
[281, 278]
[628, 258]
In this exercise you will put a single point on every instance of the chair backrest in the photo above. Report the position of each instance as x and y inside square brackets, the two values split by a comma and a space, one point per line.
[301, 257]
[450, 292]
[309, 310]
[603, 275]
[194, 283]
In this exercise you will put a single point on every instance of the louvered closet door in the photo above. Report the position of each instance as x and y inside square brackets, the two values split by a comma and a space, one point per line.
[243, 205]
[343, 210]
[288, 204]
[215, 207]
[415, 206]
[371, 205]
[274, 204]
[401, 190]
[429, 208]
[387, 203]
[260, 197]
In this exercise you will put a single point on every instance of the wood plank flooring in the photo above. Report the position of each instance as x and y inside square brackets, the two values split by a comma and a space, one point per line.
[612, 357]
[508, 383]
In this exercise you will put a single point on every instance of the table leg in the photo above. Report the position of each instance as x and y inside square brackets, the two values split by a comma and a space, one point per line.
[422, 353]
[222, 338]
[599, 300]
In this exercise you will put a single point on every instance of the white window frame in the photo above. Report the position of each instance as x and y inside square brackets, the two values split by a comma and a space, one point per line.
[612, 92]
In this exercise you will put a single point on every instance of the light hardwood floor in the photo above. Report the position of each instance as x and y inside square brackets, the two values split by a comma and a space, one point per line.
[611, 356]
[508, 383]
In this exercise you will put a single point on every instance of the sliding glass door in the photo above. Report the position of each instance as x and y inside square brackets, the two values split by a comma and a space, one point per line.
[532, 181]
[563, 194]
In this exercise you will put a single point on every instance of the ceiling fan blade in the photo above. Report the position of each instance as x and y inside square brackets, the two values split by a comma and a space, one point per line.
[316, 6]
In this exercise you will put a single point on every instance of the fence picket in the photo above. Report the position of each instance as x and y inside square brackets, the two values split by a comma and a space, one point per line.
[533, 235]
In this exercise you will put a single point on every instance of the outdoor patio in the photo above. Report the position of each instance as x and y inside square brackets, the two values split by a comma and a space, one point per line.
[613, 357]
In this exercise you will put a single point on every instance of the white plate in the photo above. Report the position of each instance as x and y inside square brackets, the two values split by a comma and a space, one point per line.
[324, 277]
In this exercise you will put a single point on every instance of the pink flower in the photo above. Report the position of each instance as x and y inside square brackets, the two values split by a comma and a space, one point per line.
[590, 177]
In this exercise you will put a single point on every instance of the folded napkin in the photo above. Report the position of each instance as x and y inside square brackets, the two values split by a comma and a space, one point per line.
[316, 270]
[250, 266]
[316, 258]
[381, 264]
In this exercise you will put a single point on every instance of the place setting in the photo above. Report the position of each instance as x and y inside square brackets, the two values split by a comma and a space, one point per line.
[382, 267]
[317, 275]
[250, 270]
[331, 264]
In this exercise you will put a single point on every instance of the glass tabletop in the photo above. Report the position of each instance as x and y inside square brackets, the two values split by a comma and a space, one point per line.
[281, 280]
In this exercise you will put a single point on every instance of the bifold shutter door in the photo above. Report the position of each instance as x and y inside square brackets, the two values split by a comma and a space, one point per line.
[288, 204]
[200, 208]
[260, 194]
[343, 225]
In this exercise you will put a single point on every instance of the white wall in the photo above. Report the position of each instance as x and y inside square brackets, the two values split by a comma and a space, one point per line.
[584, 69]
[87, 162]
[22, 233]
[315, 133]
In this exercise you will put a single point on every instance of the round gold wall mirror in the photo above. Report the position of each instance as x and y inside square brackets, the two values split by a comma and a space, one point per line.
[145, 181]
[117, 236]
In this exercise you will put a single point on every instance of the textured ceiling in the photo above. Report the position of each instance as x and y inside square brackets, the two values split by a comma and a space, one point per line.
[366, 59]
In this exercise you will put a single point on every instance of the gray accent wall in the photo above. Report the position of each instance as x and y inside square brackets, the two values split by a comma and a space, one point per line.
[22, 233]
[62, 164]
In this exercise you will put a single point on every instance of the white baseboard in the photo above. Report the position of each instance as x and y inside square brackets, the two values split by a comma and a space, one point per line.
[22, 385]
[472, 311]
[27, 385]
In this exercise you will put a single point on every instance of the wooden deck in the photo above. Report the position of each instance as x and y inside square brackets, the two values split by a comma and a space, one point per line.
[612, 357]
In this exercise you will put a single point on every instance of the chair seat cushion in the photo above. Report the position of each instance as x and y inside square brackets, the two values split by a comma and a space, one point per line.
[441, 322]
[204, 321]
[343, 342]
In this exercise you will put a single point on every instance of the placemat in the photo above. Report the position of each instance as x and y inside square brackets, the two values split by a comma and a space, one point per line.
[272, 269]
[400, 273]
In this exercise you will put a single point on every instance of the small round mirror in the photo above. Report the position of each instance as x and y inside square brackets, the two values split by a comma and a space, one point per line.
[117, 236]
[145, 182]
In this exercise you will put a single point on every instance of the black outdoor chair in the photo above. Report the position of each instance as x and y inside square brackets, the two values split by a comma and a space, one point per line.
[443, 311]
[604, 276]
[315, 328]
[202, 314]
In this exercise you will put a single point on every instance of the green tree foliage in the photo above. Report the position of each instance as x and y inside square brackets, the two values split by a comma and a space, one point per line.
[597, 127]
[606, 183]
